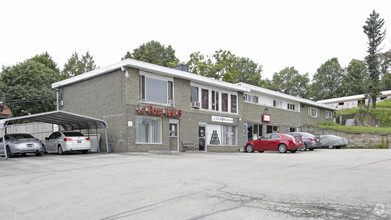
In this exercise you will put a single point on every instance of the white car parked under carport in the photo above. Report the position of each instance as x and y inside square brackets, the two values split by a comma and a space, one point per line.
[67, 141]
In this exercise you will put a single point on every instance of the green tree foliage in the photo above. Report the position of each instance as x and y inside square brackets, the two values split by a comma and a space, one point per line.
[27, 87]
[153, 52]
[224, 65]
[290, 82]
[46, 60]
[354, 80]
[385, 70]
[327, 81]
[373, 30]
[76, 66]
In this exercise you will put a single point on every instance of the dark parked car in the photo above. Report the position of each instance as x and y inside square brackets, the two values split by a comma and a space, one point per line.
[332, 141]
[20, 144]
[311, 141]
[274, 142]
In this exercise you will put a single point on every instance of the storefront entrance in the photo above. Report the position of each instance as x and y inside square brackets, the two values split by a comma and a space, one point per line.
[201, 137]
[174, 135]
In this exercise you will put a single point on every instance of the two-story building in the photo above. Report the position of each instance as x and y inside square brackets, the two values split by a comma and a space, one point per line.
[150, 107]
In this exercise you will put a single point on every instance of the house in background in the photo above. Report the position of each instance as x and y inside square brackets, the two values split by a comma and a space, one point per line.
[353, 101]
[5, 112]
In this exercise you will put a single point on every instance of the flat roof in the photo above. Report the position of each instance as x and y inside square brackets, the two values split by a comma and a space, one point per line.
[153, 68]
[285, 96]
[351, 98]
[68, 120]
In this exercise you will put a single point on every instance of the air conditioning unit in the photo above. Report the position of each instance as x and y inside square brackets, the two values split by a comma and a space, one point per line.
[195, 104]
[171, 102]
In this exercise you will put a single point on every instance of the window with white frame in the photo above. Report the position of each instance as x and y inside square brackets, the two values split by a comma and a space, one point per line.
[234, 106]
[193, 94]
[148, 130]
[313, 112]
[277, 104]
[328, 114]
[211, 99]
[292, 107]
[204, 98]
[155, 90]
[250, 98]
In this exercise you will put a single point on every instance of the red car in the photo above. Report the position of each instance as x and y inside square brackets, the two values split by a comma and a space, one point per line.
[274, 142]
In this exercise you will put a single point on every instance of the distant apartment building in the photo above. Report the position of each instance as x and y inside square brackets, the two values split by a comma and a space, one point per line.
[353, 101]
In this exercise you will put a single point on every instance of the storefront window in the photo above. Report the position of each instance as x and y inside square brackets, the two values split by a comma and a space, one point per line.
[272, 129]
[222, 135]
[254, 131]
[224, 100]
[148, 130]
[205, 98]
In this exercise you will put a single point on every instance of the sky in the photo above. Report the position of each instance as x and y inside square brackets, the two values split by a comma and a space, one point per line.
[275, 34]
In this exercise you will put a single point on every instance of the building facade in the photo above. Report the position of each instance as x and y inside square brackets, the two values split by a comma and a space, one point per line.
[150, 107]
[353, 101]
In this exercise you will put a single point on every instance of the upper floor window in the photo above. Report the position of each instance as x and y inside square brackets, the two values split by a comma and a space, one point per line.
[205, 98]
[250, 98]
[224, 102]
[277, 104]
[233, 104]
[313, 112]
[292, 107]
[194, 94]
[155, 90]
[215, 100]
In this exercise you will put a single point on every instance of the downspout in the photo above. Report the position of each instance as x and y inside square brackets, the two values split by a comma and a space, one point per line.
[57, 97]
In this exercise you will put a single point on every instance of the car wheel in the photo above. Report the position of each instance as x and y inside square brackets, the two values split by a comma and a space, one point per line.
[9, 154]
[260, 151]
[293, 151]
[44, 150]
[38, 154]
[338, 147]
[311, 149]
[304, 148]
[60, 151]
[249, 148]
[84, 151]
[282, 148]
[23, 154]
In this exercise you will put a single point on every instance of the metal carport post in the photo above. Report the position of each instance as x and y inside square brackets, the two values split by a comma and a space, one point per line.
[68, 120]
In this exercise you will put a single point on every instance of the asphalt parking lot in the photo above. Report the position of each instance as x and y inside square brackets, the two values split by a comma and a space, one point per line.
[320, 184]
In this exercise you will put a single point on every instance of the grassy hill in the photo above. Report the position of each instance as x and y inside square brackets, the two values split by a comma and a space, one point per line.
[382, 112]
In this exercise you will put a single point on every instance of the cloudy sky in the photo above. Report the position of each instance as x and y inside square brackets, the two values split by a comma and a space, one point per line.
[274, 34]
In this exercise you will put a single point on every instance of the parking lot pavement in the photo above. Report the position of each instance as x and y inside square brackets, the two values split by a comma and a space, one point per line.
[320, 184]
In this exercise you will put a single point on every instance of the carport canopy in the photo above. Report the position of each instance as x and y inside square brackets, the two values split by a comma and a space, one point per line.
[68, 120]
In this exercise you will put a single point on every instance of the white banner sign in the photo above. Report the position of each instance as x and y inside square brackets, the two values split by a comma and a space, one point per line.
[222, 119]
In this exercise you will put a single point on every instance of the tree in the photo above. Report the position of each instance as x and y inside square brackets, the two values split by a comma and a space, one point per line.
[327, 81]
[76, 66]
[354, 80]
[223, 65]
[373, 30]
[46, 60]
[27, 87]
[290, 82]
[153, 52]
[385, 70]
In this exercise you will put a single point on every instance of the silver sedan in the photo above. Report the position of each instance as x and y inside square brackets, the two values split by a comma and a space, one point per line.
[20, 144]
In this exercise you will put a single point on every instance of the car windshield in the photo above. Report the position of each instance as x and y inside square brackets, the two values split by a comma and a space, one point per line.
[21, 136]
[73, 134]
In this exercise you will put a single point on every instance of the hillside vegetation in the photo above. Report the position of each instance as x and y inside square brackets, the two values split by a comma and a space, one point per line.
[382, 112]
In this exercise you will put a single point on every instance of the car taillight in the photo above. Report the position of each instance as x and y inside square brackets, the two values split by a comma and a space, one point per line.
[312, 139]
[87, 139]
[68, 139]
